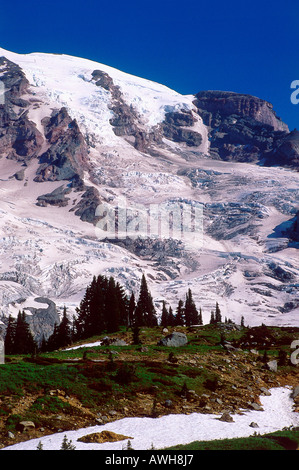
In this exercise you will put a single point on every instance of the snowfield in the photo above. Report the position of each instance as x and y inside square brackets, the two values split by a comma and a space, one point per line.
[245, 262]
[172, 430]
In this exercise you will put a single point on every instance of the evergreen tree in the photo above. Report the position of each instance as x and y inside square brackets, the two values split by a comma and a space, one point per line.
[64, 330]
[132, 307]
[104, 307]
[191, 313]
[67, 444]
[52, 343]
[23, 341]
[112, 311]
[200, 321]
[164, 316]
[9, 342]
[180, 314]
[217, 314]
[212, 319]
[145, 310]
[171, 317]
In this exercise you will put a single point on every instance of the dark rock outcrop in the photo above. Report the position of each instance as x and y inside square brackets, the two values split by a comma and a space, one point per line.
[176, 127]
[19, 137]
[226, 103]
[125, 121]
[87, 206]
[285, 152]
[241, 127]
[294, 233]
[55, 198]
[66, 157]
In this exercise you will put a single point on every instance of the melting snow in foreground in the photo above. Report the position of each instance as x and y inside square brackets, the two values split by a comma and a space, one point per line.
[181, 429]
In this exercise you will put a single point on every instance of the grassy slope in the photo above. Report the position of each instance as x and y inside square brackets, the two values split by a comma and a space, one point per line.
[76, 387]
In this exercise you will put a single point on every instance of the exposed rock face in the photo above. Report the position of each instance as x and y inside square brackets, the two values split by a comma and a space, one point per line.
[285, 151]
[42, 320]
[55, 198]
[66, 157]
[177, 125]
[86, 208]
[295, 228]
[242, 127]
[125, 118]
[228, 103]
[19, 137]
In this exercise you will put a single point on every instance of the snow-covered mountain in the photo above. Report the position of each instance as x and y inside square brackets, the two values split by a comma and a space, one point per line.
[77, 137]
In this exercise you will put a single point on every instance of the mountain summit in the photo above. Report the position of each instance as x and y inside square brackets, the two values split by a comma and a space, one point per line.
[77, 137]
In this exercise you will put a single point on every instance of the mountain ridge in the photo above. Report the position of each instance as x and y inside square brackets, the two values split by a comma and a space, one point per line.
[75, 134]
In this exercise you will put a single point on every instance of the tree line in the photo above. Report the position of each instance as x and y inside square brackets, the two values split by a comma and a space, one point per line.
[105, 307]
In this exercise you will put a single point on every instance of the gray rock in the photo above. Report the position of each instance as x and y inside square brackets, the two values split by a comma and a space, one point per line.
[226, 417]
[295, 392]
[168, 403]
[43, 320]
[253, 425]
[265, 391]
[256, 407]
[272, 365]
[175, 339]
[24, 426]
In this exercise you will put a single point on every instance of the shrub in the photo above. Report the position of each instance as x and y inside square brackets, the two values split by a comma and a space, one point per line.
[126, 374]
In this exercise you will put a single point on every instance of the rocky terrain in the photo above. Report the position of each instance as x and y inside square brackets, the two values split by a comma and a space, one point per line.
[160, 377]
[76, 136]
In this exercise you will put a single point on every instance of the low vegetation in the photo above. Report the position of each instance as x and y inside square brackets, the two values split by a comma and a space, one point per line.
[221, 367]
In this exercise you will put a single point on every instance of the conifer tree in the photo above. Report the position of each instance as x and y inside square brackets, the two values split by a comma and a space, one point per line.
[132, 307]
[145, 310]
[164, 316]
[63, 332]
[180, 314]
[191, 313]
[9, 342]
[200, 321]
[112, 313]
[171, 317]
[23, 341]
[217, 314]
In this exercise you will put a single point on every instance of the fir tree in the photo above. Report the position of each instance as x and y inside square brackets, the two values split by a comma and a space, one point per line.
[67, 445]
[164, 316]
[180, 314]
[9, 342]
[132, 308]
[64, 330]
[145, 310]
[217, 314]
[200, 321]
[191, 313]
[171, 317]
[23, 341]
[112, 311]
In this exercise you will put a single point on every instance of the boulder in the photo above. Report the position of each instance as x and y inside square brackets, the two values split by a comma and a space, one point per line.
[226, 417]
[253, 425]
[25, 426]
[295, 392]
[272, 365]
[175, 339]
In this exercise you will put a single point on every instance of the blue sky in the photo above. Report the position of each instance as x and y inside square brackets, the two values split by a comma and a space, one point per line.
[247, 47]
